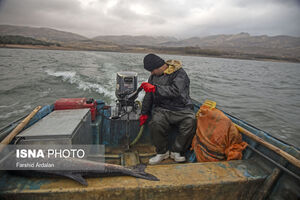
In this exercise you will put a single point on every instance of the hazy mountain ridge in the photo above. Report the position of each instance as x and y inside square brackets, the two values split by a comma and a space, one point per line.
[46, 34]
[241, 45]
[135, 40]
[245, 43]
[239, 40]
[17, 39]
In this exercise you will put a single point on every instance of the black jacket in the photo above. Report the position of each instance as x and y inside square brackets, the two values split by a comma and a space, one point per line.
[172, 92]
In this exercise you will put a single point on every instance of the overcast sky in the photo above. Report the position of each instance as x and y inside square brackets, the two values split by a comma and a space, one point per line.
[179, 18]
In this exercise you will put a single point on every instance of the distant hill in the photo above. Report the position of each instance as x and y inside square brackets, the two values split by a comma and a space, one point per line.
[142, 40]
[16, 39]
[45, 34]
[238, 40]
[282, 46]
[241, 45]
[244, 43]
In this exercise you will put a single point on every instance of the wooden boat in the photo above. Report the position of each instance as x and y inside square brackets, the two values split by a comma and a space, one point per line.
[269, 168]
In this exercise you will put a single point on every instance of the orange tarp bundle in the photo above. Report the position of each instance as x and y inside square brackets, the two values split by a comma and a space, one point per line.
[216, 137]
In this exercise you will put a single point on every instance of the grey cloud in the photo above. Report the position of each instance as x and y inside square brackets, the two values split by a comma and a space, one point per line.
[181, 18]
[256, 3]
[124, 12]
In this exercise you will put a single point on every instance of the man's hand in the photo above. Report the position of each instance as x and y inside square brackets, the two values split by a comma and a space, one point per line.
[143, 119]
[148, 87]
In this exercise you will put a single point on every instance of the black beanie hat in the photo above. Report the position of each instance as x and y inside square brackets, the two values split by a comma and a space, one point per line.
[152, 61]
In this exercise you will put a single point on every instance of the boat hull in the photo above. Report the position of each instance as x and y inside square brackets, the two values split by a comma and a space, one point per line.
[254, 177]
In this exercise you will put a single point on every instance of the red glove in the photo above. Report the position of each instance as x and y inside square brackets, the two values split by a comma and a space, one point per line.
[143, 119]
[148, 87]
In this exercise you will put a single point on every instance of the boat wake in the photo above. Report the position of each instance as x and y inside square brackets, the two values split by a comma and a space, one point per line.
[73, 78]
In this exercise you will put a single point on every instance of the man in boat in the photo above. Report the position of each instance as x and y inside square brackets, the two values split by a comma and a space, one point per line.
[167, 99]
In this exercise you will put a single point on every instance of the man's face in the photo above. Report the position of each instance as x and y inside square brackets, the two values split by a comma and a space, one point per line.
[159, 71]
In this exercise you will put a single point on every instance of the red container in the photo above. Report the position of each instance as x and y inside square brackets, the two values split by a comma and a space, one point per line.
[76, 103]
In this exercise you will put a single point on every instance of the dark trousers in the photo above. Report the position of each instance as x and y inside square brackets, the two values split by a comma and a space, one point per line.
[161, 122]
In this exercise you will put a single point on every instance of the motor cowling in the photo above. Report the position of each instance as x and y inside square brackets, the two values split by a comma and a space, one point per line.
[126, 85]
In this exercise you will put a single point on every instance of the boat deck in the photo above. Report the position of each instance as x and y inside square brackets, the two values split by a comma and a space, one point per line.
[219, 180]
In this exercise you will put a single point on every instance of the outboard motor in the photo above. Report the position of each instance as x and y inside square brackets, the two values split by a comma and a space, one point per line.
[127, 109]
[126, 93]
[126, 85]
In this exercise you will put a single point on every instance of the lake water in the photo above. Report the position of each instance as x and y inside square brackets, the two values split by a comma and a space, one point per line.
[264, 94]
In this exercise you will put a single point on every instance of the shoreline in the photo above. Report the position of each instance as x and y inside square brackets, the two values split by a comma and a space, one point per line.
[147, 49]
